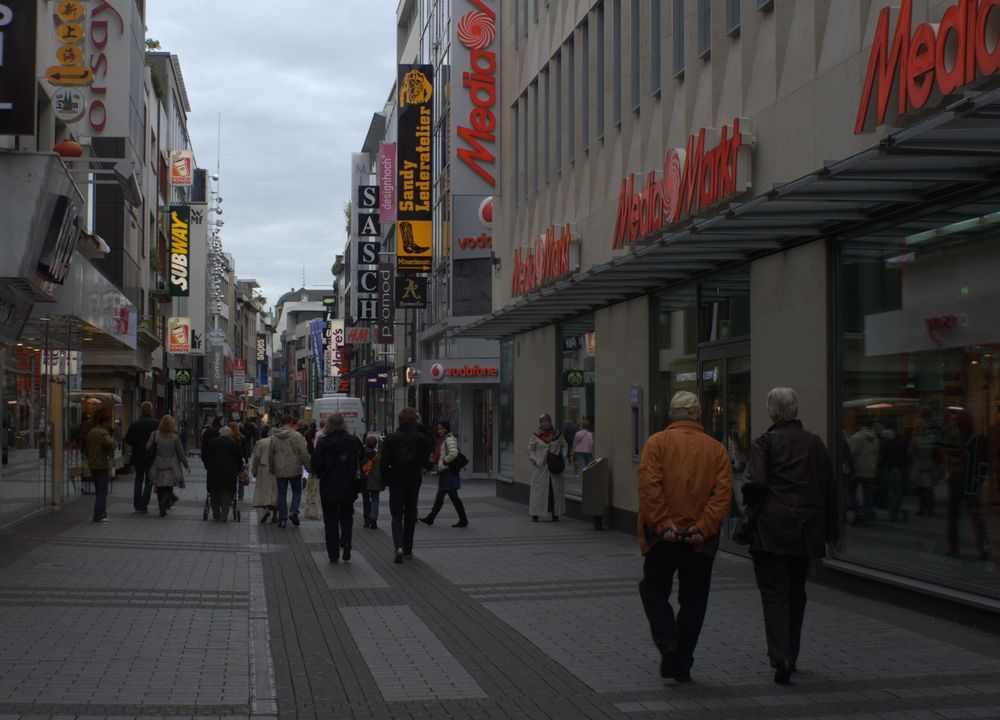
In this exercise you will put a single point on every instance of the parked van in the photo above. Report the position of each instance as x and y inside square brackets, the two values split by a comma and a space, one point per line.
[350, 407]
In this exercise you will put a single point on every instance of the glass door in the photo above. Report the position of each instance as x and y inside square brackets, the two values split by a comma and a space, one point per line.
[725, 401]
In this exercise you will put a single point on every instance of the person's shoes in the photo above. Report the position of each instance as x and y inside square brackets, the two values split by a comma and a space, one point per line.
[368, 523]
[265, 516]
[783, 672]
[163, 513]
[374, 525]
[682, 677]
[427, 520]
[281, 523]
[334, 558]
[295, 519]
[347, 554]
[275, 518]
[104, 520]
[398, 557]
[408, 555]
[555, 518]
[669, 662]
[534, 518]
[461, 523]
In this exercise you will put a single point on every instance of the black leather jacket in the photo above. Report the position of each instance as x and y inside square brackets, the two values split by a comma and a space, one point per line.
[405, 454]
[793, 470]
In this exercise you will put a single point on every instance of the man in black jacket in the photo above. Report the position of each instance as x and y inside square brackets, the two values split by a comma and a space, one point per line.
[207, 438]
[405, 453]
[136, 438]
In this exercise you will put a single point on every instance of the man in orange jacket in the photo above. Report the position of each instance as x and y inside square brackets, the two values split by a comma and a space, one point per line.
[685, 488]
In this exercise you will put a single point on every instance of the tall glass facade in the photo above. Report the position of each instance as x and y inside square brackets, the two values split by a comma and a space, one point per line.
[919, 404]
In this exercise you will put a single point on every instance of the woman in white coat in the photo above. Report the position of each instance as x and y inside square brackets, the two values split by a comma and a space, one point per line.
[546, 480]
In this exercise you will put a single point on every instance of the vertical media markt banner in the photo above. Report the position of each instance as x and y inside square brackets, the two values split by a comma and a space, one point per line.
[179, 255]
[18, 22]
[414, 151]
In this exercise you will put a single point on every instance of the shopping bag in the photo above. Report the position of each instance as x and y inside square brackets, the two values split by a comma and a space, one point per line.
[313, 510]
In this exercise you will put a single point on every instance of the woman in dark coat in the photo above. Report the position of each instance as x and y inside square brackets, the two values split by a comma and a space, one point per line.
[336, 460]
[225, 461]
[791, 476]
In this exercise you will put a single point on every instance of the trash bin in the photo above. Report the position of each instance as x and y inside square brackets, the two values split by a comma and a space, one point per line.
[596, 481]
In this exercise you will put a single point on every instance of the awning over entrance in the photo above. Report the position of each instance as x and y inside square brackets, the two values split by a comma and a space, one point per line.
[939, 171]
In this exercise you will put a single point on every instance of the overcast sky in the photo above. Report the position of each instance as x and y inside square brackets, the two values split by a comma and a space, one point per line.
[296, 83]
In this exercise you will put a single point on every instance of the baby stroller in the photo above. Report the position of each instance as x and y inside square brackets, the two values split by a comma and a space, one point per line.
[208, 508]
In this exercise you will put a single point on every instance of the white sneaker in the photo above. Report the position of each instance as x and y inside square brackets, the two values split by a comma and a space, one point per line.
[104, 520]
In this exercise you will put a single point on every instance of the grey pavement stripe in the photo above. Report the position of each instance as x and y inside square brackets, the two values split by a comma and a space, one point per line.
[406, 658]
[358, 574]
[263, 689]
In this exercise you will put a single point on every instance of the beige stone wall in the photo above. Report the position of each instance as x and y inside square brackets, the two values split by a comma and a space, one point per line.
[789, 342]
[534, 391]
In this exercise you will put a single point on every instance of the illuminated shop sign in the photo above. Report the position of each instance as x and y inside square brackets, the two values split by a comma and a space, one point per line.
[474, 161]
[554, 255]
[714, 167]
[919, 66]
[462, 371]
[180, 251]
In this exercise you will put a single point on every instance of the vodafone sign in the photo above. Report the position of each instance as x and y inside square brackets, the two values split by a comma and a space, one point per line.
[473, 106]
[467, 371]
[919, 66]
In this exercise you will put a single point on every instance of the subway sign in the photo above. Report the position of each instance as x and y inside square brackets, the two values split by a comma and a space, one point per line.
[180, 251]
[919, 66]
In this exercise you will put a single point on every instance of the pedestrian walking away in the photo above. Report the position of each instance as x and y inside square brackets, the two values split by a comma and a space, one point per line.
[685, 488]
[336, 460]
[136, 438]
[405, 454]
[244, 443]
[99, 447]
[791, 478]
[449, 480]
[207, 438]
[546, 452]
[265, 491]
[287, 455]
[166, 450]
[583, 446]
[371, 470]
[225, 461]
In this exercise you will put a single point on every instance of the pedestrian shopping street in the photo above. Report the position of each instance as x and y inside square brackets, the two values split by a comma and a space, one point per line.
[147, 617]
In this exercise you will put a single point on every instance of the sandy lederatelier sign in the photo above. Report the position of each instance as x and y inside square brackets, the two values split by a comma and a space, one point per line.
[414, 151]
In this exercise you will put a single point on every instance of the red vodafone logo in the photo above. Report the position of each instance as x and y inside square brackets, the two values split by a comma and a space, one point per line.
[486, 211]
[437, 371]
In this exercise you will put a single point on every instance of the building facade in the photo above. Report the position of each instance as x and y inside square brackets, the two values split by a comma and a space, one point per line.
[725, 197]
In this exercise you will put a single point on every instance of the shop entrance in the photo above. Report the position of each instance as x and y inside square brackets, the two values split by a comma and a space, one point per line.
[482, 430]
[725, 401]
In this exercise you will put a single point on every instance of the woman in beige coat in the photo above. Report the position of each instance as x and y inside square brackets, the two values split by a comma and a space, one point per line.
[265, 492]
[168, 458]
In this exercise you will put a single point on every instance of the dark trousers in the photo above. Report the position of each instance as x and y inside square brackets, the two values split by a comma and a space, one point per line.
[694, 578]
[455, 500]
[403, 499]
[222, 500]
[369, 500]
[338, 520]
[143, 488]
[781, 580]
[165, 498]
[101, 479]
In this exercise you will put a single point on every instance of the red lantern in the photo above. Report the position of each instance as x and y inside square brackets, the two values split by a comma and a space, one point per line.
[68, 149]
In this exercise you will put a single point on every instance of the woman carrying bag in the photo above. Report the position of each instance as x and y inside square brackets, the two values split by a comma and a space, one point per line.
[166, 454]
[546, 451]
[449, 480]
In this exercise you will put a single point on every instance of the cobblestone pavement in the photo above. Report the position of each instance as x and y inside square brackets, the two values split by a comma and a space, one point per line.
[148, 617]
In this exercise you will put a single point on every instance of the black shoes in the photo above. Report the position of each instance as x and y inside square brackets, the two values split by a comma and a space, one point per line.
[347, 554]
[398, 557]
[461, 523]
[555, 518]
[670, 666]
[534, 518]
[427, 520]
[374, 525]
[334, 558]
[281, 523]
[163, 513]
[783, 672]
[294, 517]
[265, 516]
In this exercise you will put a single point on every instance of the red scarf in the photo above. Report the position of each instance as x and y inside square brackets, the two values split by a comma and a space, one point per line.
[546, 435]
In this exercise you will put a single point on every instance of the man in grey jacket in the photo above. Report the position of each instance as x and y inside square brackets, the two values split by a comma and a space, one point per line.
[287, 455]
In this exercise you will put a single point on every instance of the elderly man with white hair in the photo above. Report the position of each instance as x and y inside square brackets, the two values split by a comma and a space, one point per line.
[685, 488]
[791, 477]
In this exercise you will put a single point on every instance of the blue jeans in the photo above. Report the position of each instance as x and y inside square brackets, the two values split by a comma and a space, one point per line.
[101, 480]
[296, 483]
[143, 489]
[583, 459]
[369, 500]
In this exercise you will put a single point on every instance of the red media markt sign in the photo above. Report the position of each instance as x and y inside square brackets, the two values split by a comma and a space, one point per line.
[474, 106]
[921, 65]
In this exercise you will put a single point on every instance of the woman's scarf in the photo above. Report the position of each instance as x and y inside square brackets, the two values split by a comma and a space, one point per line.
[546, 435]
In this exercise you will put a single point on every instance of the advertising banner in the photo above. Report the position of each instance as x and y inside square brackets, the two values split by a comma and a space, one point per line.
[387, 182]
[472, 225]
[114, 46]
[178, 335]
[316, 328]
[474, 136]
[18, 23]
[414, 150]
[216, 369]
[385, 323]
[239, 375]
[195, 307]
[179, 257]
[411, 292]
[337, 332]
[181, 168]
[260, 355]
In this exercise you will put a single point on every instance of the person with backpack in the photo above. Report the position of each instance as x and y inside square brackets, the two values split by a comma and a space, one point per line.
[373, 486]
[404, 456]
[547, 454]
[448, 466]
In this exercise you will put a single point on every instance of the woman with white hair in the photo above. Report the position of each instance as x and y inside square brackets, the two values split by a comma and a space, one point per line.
[791, 477]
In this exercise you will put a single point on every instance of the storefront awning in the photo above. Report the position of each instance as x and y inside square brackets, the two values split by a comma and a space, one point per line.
[935, 172]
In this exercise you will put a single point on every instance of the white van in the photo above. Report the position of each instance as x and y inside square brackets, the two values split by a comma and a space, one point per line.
[350, 407]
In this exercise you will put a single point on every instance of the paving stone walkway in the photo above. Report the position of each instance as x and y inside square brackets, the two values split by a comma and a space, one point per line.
[148, 617]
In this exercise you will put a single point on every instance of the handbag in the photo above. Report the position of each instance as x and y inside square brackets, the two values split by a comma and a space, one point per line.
[745, 527]
[150, 456]
[459, 462]
[244, 477]
[555, 462]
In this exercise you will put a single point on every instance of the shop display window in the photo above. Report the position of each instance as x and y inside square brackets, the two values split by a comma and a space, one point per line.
[505, 433]
[919, 399]
[578, 354]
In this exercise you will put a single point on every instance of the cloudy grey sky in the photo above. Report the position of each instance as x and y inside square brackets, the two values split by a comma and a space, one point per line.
[296, 83]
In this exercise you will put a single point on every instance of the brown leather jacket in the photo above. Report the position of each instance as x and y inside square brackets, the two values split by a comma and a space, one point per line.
[793, 469]
[685, 479]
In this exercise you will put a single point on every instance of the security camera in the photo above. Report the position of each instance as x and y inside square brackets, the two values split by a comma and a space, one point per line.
[215, 177]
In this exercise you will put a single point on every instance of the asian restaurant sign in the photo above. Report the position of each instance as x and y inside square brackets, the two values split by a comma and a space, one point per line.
[714, 167]
[918, 66]
[553, 255]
